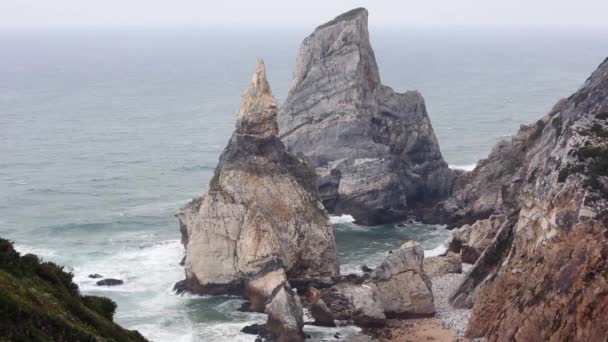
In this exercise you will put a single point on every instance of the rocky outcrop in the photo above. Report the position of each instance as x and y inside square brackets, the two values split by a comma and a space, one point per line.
[374, 149]
[261, 219]
[404, 289]
[543, 276]
[441, 265]
[398, 287]
[285, 315]
[471, 240]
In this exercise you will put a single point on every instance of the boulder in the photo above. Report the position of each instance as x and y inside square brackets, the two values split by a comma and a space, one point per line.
[362, 304]
[403, 287]
[471, 240]
[285, 315]
[259, 287]
[374, 150]
[322, 314]
[262, 207]
[441, 265]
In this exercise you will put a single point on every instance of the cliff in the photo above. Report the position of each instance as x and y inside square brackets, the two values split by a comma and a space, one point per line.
[542, 201]
[373, 149]
[40, 302]
[261, 217]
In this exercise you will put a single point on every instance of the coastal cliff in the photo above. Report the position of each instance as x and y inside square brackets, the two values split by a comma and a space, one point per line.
[40, 302]
[261, 220]
[539, 206]
[373, 149]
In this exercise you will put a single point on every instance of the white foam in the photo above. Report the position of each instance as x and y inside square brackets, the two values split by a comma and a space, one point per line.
[439, 250]
[469, 167]
[341, 219]
[43, 253]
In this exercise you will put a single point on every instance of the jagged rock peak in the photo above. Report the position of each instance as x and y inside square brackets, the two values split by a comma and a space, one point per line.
[258, 112]
[347, 32]
[374, 150]
[260, 221]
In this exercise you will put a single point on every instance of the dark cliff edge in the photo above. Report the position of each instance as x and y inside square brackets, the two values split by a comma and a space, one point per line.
[40, 302]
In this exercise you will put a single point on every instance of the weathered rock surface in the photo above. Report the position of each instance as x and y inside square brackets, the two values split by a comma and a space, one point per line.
[544, 276]
[261, 212]
[374, 149]
[471, 240]
[322, 314]
[285, 315]
[404, 289]
[396, 288]
[441, 265]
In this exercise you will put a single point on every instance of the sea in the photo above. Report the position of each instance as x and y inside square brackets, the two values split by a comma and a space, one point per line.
[105, 133]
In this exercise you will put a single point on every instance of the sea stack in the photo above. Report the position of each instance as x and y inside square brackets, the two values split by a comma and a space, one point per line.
[374, 150]
[539, 207]
[261, 220]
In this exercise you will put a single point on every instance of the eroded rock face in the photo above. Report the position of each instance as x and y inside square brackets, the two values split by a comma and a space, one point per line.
[262, 208]
[543, 276]
[374, 149]
[398, 287]
[441, 265]
[404, 289]
[285, 316]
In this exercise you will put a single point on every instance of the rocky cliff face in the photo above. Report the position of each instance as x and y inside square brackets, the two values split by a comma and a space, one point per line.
[261, 215]
[374, 149]
[543, 197]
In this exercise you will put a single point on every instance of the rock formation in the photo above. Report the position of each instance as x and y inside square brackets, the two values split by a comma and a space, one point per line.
[543, 198]
[398, 287]
[261, 219]
[285, 315]
[374, 150]
[440, 265]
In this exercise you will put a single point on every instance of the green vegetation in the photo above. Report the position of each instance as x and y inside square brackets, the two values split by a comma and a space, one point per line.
[540, 126]
[602, 116]
[599, 130]
[557, 124]
[214, 184]
[569, 170]
[40, 302]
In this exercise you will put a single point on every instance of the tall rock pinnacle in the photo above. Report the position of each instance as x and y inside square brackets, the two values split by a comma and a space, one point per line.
[258, 112]
[261, 220]
[374, 150]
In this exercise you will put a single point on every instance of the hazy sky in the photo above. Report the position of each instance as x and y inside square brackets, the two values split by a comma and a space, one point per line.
[302, 13]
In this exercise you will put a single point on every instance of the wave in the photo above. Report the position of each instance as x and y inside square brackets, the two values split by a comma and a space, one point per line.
[341, 219]
[439, 250]
[469, 167]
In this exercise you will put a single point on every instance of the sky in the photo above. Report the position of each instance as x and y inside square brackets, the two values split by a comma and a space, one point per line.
[565, 14]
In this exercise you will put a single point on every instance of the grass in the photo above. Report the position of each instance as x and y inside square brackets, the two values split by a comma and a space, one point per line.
[40, 302]
[540, 126]
[557, 124]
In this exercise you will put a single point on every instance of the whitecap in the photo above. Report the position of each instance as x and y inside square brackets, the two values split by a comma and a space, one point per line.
[469, 167]
[439, 250]
[44, 253]
[341, 219]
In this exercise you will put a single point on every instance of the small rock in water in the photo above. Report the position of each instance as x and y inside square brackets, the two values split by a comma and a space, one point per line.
[95, 276]
[180, 287]
[109, 282]
[365, 269]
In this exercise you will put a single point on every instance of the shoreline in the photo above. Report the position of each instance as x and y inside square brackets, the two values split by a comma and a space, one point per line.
[447, 325]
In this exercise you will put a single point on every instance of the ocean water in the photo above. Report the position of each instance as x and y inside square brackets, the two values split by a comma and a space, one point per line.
[105, 134]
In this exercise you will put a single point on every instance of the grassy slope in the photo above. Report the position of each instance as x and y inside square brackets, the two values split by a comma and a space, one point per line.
[39, 302]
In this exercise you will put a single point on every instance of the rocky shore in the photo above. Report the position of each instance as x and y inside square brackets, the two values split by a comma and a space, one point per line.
[531, 218]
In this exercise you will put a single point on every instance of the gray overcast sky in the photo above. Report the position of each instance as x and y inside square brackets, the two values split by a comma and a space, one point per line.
[302, 13]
